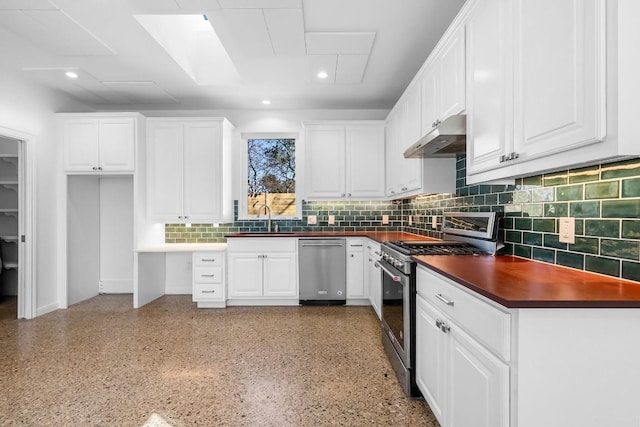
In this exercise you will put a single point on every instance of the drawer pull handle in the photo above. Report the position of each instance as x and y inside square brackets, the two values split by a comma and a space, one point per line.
[208, 275]
[444, 300]
[208, 260]
[208, 292]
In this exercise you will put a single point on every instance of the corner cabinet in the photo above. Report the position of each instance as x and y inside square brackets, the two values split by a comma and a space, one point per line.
[99, 143]
[262, 271]
[344, 160]
[189, 166]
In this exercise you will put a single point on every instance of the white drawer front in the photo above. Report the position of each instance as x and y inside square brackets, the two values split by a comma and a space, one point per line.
[207, 275]
[211, 291]
[208, 258]
[262, 244]
[486, 323]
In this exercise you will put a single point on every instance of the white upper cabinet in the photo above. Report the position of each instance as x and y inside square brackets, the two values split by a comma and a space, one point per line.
[536, 87]
[344, 161]
[443, 83]
[189, 171]
[94, 143]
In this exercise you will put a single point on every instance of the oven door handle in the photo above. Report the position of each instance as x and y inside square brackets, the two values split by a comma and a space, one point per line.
[394, 276]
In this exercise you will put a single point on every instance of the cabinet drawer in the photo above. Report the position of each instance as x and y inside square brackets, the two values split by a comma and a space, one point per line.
[207, 258]
[355, 245]
[207, 292]
[486, 323]
[207, 275]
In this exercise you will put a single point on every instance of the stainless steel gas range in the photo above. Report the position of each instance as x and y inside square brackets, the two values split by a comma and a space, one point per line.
[465, 233]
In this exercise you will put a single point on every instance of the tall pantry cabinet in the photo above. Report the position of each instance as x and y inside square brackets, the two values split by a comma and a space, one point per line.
[9, 213]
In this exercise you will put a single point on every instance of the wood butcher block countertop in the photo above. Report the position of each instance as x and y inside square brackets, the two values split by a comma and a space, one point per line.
[378, 236]
[521, 283]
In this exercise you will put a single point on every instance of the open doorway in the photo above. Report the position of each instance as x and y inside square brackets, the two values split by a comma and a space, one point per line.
[17, 296]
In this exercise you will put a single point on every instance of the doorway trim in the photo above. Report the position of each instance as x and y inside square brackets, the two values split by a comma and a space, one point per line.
[26, 223]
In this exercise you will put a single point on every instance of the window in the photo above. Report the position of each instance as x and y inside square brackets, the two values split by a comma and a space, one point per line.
[270, 177]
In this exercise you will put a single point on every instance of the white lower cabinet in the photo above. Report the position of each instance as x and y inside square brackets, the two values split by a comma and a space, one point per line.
[208, 279]
[356, 288]
[262, 271]
[464, 382]
[373, 276]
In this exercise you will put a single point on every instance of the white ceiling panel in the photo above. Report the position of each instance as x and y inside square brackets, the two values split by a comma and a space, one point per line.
[339, 43]
[85, 88]
[155, 5]
[243, 32]
[350, 68]
[55, 31]
[260, 4]
[317, 63]
[198, 5]
[141, 92]
[27, 5]
[286, 29]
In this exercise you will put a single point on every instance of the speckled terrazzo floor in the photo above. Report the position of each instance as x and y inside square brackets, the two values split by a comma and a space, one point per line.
[101, 363]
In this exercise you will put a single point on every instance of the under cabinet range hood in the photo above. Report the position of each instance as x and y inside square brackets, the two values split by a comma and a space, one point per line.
[447, 139]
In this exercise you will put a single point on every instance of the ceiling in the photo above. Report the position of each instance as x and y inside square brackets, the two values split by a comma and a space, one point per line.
[223, 54]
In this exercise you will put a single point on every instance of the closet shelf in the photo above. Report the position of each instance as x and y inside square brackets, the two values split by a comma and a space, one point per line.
[10, 265]
[9, 239]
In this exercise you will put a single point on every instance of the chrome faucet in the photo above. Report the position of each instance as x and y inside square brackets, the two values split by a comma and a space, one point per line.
[267, 209]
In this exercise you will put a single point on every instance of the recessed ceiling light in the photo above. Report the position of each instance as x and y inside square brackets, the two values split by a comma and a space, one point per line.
[323, 75]
[266, 102]
[71, 74]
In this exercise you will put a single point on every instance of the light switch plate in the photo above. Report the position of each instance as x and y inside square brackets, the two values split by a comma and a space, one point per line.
[567, 230]
[434, 221]
[385, 219]
[410, 219]
[312, 220]
[332, 219]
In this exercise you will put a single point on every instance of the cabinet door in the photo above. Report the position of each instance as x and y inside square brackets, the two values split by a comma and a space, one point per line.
[559, 75]
[355, 275]
[373, 277]
[81, 145]
[489, 134]
[479, 384]
[280, 275]
[165, 172]
[365, 161]
[410, 169]
[451, 99]
[429, 98]
[393, 154]
[431, 357]
[325, 161]
[202, 165]
[245, 275]
[117, 145]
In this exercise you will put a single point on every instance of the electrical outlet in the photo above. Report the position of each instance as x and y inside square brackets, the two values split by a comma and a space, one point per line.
[434, 221]
[567, 230]
[332, 219]
[410, 219]
[312, 220]
[385, 219]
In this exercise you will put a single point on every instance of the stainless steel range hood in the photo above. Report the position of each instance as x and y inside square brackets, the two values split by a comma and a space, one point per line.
[446, 140]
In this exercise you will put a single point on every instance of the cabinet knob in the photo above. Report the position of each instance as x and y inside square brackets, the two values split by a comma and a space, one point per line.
[404, 188]
[351, 255]
[179, 217]
[94, 168]
[186, 217]
[99, 168]
[342, 195]
[349, 195]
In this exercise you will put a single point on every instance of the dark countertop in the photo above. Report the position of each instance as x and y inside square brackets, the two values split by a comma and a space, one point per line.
[522, 283]
[378, 236]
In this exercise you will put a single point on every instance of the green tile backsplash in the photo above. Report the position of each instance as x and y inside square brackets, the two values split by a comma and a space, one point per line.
[604, 199]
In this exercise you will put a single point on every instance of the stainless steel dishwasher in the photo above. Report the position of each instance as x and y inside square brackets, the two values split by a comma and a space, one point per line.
[323, 271]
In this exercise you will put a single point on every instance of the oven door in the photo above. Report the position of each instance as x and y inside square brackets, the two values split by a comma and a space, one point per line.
[395, 309]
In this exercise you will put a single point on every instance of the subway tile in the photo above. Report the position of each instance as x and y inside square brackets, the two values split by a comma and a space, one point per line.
[631, 229]
[569, 192]
[621, 209]
[556, 209]
[521, 196]
[621, 169]
[544, 255]
[513, 209]
[579, 227]
[585, 244]
[602, 190]
[534, 239]
[522, 251]
[513, 236]
[627, 249]
[491, 199]
[522, 223]
[588, 174]
[602, 228]
[505, 198]
[532, 180]
[584, 209]
[631, 187]
[508, 222]
[555, 179]
[553, 241]
[569, 259]
[546, 225]
[610, 267]
[631, 270]
[533, 209]
[542, 195]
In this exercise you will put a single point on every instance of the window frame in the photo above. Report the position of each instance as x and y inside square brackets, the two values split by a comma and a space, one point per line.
[244, 170]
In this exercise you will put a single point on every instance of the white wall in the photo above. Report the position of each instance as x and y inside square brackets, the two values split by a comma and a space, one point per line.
[29, 109]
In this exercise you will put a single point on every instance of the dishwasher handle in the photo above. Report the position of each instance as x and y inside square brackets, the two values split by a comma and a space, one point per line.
[323, 244]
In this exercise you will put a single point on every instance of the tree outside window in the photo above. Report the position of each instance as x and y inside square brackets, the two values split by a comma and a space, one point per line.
[271, 177]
